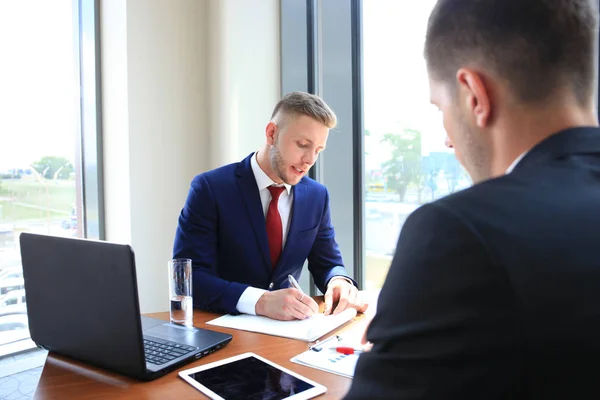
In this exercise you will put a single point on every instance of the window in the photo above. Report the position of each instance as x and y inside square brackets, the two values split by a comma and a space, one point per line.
[365, 58]
[47, 116]
[320, 53]
[406, 162]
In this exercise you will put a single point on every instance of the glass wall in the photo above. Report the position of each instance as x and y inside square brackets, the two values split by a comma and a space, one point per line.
[41, 182]
[405, 160]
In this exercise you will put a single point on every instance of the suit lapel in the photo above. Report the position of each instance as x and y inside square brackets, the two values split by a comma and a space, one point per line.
[249, 191]
[297, 207]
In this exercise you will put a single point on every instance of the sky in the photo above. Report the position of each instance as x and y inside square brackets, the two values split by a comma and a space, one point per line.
[38, 99]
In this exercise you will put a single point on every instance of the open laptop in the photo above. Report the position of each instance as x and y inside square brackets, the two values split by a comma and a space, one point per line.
[82, 302]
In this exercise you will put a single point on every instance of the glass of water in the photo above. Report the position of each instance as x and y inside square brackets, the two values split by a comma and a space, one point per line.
[180, 291]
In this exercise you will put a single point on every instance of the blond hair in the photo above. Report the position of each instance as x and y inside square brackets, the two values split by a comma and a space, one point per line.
[301, 103]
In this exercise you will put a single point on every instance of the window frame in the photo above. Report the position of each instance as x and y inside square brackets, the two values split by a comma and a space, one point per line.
[89, 150]
[312, 32]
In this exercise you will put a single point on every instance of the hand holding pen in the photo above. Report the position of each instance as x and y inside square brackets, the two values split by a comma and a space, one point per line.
[296, 285]
[286, 304]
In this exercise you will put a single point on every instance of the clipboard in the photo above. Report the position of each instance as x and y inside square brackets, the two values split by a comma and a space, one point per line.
[324, 357]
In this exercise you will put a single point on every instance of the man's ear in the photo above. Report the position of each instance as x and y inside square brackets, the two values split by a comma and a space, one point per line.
[270, 132]
[476, 95]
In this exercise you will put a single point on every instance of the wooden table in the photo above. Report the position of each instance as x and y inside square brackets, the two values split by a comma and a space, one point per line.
[63, 378]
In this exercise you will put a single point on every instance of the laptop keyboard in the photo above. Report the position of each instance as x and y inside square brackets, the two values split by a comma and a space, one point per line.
[162, 352]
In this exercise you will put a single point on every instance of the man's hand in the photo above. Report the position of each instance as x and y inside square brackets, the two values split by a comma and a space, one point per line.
[286, 305]
[345, 294]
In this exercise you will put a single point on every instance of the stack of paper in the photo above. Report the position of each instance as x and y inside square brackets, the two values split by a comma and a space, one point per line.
[308, 330]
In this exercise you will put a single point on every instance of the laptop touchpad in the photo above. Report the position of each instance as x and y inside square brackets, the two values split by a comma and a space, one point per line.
[169, 332]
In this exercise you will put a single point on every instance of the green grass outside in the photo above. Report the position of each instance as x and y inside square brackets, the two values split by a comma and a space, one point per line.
[58, 196]
[13, 213]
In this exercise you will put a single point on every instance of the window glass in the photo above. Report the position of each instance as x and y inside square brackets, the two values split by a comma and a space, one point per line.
[406, 161]
[39, 130]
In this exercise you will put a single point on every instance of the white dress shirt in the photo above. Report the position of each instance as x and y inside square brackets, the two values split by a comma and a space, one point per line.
[514, 163]
[284, 205]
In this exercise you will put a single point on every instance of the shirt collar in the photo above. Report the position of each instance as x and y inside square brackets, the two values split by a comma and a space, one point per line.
[514, 163]
[262, 180]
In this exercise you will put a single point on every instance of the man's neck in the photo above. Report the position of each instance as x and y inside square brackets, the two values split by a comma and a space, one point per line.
[262, 157]
[529, 127]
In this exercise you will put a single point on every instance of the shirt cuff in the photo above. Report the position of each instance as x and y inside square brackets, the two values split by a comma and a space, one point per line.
[340, 277]
[247, 302]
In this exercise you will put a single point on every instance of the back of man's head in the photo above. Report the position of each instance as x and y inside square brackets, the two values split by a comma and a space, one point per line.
[539, 48]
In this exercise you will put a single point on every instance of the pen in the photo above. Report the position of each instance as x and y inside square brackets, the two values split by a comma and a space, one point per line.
[294, 283]
[319, 345]
[348, 350]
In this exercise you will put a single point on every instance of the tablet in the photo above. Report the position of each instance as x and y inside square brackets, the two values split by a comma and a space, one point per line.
[249, 376]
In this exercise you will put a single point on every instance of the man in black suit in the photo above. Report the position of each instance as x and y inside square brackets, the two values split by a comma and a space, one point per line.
[494, 292]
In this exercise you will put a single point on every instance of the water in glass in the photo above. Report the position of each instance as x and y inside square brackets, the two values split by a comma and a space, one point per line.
[182, 310]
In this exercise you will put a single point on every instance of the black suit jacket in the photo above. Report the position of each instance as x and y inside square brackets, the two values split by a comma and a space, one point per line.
[494, 292]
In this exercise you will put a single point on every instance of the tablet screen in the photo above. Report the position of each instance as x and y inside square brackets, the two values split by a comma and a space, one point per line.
[250, 378]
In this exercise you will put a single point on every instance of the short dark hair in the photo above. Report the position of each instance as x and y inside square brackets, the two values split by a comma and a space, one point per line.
[302, 103]
[537, 46]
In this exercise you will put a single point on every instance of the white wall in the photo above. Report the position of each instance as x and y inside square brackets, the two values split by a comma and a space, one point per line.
[183, 92]
[244, 70]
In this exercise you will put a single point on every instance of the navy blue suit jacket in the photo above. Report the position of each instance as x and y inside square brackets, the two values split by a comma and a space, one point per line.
[222, 229]
[494, 292]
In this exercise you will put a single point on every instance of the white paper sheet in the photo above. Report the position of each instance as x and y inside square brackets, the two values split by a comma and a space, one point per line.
[307, 330]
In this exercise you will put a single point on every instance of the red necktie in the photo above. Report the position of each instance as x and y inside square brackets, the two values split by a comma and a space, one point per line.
[274, 227]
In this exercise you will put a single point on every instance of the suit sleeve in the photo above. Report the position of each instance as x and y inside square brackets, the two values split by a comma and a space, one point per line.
[325, 259]
[445, 326]
[196, 238]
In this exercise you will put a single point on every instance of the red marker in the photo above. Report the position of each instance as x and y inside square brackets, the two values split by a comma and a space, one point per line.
[348, 350]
